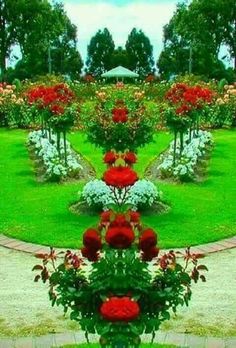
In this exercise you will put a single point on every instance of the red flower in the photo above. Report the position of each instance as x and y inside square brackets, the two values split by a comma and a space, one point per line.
[110, 157]
[106, 216]
[134, 216]
[149, 254]
[120, 309]
[130, 158]
[57, 109]
[120, 220]
[148, 239]
[120, 177]
[120, 237]
[92, 240]
[120, 115]
[91, 255]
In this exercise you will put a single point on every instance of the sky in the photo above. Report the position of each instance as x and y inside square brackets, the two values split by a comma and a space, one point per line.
[120, 17]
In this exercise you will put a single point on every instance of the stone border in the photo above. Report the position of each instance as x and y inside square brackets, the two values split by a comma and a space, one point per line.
[59, 339]
[31, 248]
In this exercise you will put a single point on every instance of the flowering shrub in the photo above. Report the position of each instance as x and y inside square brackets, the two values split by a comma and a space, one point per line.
[185, 165]
[56, 110]
[98, 195]
[119, 119]
[120, 297]
[47, 151]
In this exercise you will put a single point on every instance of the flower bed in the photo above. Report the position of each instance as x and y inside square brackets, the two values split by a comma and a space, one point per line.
[184, 166]
[54, 166]
[98, 195]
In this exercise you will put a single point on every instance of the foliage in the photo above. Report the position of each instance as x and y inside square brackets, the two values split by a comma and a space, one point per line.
[44, 32]
[120, 298]
[100, 50]
[187, 49]
[140, 52]
[119, 119]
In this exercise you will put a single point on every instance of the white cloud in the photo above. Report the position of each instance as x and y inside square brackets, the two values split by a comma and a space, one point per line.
[120, 20]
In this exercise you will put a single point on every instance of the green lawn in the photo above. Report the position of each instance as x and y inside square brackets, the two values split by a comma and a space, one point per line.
[98, 346]
[39, 212]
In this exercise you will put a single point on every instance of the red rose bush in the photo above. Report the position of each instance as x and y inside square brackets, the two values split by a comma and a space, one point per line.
[120, 298]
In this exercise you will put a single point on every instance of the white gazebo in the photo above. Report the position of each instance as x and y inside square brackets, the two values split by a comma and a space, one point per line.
[120, 72]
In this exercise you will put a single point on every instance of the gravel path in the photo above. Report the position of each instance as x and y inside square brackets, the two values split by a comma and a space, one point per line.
[26, 310]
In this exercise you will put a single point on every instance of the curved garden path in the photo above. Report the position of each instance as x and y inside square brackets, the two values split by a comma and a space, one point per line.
[26, 311]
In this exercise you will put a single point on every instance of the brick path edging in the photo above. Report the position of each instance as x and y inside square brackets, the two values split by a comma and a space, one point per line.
[31, 248]
[57, 340]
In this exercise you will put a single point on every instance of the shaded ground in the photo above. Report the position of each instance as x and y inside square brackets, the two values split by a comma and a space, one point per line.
[25, 308]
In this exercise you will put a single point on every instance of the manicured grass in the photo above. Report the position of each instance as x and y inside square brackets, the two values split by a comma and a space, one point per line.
[98, 346]
[39, 213]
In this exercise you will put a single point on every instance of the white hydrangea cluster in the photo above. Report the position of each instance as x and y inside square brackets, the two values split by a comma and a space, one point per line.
[97, 193]
[47, 151]
[143, 193]
[185, 165]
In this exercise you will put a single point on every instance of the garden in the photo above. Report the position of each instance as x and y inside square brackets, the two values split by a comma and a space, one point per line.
[118, 175]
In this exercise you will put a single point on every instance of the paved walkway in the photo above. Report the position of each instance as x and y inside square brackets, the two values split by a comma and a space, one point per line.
[208, 248]
[57, 340]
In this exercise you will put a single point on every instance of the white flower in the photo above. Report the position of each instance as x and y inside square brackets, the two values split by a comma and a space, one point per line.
[193, 150]
[47, 151]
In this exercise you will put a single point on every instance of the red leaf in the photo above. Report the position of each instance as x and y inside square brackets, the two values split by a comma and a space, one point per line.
[36, 279]
[203, 278]
[37, 267]
[202, 267]
[41, 256]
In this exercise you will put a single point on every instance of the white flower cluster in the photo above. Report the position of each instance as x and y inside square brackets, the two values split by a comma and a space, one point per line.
[47, 151]
[97, 193]
[185, 165]
[143, 193]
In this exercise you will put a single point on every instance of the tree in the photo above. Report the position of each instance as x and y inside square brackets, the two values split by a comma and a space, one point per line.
[192, 40]
[119, 57]
[100, 50]
[140, 52]
[37, 26]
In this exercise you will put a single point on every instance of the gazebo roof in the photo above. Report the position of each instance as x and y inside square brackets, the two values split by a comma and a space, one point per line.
[120, 71]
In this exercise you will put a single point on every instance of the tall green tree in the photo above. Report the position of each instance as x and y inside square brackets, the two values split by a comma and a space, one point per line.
[39, 28]
[100, 51]
[120, 57]
[140, 52]
[192, 39]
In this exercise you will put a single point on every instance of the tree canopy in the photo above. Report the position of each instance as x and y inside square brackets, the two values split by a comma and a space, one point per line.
[100, 51]
[140, 52]
[43, 32]
[194, 35]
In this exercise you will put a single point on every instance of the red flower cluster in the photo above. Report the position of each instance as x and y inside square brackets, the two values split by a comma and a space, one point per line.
[147, 243]
[129, 158]
[120, 176]
[120, 309]
[110, 157]
[53, 97]
[92, 243]
[57, 109]
[120, 115]
[188, 98]
[120, 234]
